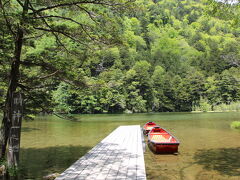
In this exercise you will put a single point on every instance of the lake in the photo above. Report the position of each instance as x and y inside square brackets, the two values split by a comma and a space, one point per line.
[209, 148]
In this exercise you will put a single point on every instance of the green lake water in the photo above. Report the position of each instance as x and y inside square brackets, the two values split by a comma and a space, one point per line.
[209, 148]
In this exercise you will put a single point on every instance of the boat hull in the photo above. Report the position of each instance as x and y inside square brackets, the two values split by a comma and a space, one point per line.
[163, 148]
[147, 127]
[160, 141]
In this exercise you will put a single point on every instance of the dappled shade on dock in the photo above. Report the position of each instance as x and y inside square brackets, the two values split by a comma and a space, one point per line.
[118, 156]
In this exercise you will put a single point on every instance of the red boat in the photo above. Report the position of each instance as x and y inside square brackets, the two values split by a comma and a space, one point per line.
[148, 126]
[161, 141]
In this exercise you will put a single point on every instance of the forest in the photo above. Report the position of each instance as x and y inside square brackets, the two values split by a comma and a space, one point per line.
[123, 56]
[156, 56]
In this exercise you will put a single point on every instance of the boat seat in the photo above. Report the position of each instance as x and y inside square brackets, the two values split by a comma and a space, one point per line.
[160, 138]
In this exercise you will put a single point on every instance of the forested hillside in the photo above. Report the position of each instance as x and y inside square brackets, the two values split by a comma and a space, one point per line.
[161, 55]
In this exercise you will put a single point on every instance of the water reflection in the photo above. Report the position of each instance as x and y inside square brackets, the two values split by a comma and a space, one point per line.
[28, 129]
[37, 162]
[50, 144]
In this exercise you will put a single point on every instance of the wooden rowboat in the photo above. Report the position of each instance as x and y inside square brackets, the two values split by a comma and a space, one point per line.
[160, 141]
[148, 126]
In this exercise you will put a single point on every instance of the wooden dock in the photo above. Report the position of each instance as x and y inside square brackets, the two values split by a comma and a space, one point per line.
[118, 156]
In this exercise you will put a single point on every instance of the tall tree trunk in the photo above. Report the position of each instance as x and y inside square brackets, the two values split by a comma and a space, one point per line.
[13, 83]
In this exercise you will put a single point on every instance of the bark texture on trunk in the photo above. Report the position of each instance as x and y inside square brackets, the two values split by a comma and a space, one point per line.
[13, 83]
[15, 131]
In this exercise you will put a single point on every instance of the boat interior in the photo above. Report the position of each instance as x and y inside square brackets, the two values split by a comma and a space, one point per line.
[159, 135]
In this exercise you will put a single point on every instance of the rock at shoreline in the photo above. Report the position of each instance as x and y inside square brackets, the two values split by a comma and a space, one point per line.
[2, 170]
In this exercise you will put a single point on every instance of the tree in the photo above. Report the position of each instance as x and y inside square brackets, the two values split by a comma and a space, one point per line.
[158, 77]
[212, 91]
[195, 83]
[182, 99]
[71, 23]
[134, 99]
[225, 9]
[228, 87]
[155, 57]
[142, 69]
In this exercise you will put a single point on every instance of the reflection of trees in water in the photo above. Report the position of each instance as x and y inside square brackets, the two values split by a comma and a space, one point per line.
[38, 162]
[28, 129]
[224, 160]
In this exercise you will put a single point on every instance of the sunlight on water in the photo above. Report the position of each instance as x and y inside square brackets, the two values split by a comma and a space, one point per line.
[209, 148]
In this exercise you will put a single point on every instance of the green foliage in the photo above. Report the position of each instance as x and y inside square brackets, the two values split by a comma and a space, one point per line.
[13, 171]
[235, 125]
[229, 87]
[228, 10]
[203, 106]
[234, 106]
[62, 98]
[187, 67]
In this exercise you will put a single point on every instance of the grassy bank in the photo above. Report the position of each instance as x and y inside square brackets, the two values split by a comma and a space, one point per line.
[225, 107]
[235, 125]
[205, 107]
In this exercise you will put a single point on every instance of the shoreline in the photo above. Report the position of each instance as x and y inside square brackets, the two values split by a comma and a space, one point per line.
[214, 111]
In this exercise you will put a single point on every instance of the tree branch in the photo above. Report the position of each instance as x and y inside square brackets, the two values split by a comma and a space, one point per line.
[50, 67]
[60, 17]
[27, 88]
[6, 19]
[56, 36]
[69, 19]
[63, 33]
[49, 75]
[89, 13]
[20, 3]
[99, 2]
[33, 37]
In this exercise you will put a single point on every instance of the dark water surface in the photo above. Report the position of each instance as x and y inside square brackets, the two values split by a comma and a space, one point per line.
[209, 148]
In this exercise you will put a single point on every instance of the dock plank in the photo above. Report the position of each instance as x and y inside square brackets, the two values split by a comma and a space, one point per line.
[118, 156]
